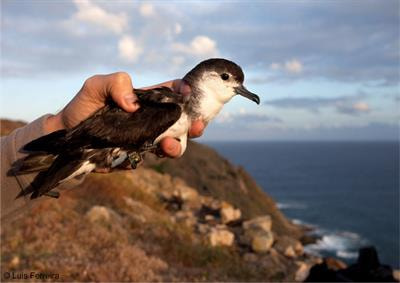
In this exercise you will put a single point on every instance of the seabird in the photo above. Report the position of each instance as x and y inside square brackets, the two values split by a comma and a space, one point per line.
[112, 136]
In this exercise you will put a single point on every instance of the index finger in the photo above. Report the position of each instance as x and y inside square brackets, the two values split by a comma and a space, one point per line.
[196, 129]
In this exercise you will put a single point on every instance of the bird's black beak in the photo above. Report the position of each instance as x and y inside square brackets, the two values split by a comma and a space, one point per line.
[241, 90]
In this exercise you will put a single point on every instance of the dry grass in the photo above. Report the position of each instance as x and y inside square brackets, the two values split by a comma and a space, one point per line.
[56, 237]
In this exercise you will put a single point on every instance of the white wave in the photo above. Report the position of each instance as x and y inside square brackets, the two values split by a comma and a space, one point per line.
[298, 221]
[342, 243]
[291, 205]
[346, 254]
[303, 223]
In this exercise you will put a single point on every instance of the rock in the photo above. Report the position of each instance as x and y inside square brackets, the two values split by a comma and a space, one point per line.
[302, 272]
[367, 269]
[309, 239]
[259, 223]
[229, 213]
[185, 193]
[220, 237]
[257, 234]
[98, 213]
[298, 248]
[321, 273]
[211, 203]
[289, 246]
[187, 217]
[209, 218]
[14, 263]
[262, 242]
[203, 228]
[334, 263]
[396, 275]
[289, 252]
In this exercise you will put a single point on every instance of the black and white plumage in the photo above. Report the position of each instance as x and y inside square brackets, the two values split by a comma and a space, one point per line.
[112, 136]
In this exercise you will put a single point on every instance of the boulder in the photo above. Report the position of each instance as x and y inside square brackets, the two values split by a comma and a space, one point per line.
[220, 237]
[257, 234]
[263, 223]
[262, 242]
[187, 217]
[209, 218]
[203, 228]
[289, 246]
[99, 213]
[302, 272]
[229, 213]
[298, 248]
[367, 269]
[186, 193]
[15, 262]
[334, 263]
[289, 252]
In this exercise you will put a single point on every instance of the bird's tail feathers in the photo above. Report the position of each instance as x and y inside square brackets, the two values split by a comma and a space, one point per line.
[35, 162]
[63, 167]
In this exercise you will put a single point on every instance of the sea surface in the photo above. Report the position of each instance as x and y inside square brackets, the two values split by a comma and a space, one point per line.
[348, 191]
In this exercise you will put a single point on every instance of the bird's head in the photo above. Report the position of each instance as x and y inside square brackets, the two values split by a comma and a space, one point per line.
[219, 78]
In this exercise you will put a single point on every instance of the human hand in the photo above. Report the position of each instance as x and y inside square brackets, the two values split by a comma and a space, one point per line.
[93, 95]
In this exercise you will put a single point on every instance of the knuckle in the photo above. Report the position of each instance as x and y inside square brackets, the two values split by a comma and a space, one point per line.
[121, 78]
[90, 81]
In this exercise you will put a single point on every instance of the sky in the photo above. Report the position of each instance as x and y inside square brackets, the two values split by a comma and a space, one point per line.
[324, 70]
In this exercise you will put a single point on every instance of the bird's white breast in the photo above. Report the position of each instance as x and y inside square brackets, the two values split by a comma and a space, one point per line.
[179, 130]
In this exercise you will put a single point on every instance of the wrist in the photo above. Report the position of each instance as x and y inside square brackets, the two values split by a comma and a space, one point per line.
[54, 123]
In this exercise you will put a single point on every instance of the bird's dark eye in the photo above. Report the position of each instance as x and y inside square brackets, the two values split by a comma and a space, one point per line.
[225, 76]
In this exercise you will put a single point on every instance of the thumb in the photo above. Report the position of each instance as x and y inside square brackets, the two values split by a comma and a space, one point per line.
[120, 88]
[129, 101]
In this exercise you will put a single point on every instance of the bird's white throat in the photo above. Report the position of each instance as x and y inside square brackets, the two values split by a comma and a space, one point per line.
[214, 94]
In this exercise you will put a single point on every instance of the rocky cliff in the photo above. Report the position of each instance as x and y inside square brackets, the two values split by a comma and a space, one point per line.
[198, 218]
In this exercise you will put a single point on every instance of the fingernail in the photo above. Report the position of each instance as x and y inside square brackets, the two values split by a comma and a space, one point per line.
[135, 106]
[130, 98]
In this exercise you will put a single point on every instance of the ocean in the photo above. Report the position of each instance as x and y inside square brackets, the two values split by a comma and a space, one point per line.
[348, 191]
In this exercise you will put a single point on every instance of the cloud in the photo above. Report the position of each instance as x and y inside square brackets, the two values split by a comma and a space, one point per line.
[309, 103]
[178, 28]
[128, 49]
[89, 12]
[349, 104]
[243, 118]
[200, 46]
[147, 10]
[362, 47]
[275, 66]
[294, 66]
[353, 109]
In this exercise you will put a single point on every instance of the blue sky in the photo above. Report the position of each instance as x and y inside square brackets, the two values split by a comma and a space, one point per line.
[325, 70]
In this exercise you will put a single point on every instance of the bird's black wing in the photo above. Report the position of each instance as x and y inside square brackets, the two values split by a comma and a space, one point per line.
[117, 128]
[113, 127]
